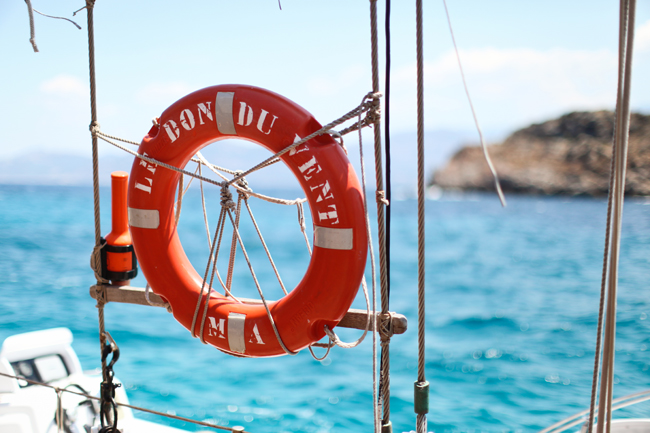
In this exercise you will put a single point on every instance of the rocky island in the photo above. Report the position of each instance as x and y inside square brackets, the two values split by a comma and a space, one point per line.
[570, 155]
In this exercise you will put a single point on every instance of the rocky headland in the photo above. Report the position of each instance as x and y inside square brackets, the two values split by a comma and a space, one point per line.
[570, 155]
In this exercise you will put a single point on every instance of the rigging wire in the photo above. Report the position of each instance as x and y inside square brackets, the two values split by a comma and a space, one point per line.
[387, 144]
[385, 325]
[621, 135]
[421, 386]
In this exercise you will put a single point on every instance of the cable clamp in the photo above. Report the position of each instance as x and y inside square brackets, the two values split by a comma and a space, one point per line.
[421, 397]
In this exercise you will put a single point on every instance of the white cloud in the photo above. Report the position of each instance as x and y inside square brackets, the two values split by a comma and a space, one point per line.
[343, 81]
[163, 93]
[508, 86]
[642, 37]
[65, 85]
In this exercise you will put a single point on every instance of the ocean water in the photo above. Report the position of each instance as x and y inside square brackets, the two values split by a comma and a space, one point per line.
[512, 300]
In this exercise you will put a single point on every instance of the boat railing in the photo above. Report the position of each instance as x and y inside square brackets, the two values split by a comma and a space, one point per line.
[581, 417]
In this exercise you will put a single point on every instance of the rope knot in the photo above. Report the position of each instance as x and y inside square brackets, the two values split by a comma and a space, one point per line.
[101, 295]
[381, 197]
[373, 107]
[226, 198]
[242, 182]
[385, 328]
[94, 127]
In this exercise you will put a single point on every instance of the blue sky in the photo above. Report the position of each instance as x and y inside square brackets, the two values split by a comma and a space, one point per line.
[525, 62]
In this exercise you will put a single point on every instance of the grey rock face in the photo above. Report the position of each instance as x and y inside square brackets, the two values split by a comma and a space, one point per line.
[570, 155]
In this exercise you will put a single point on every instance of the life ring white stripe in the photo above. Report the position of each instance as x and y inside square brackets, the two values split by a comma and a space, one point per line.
[144, 218]
[333, 239]
[236, 339]
[223, 112]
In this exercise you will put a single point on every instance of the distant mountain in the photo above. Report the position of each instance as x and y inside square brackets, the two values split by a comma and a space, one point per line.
[61, 169]
[569, 155]
[58, 169]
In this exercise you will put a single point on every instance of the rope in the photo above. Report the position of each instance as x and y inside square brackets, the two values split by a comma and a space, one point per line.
[227, 205]
[58, 18]
[96, 263]
[303, 227]
[259, 289]
[497, 184]
[141, 409]
[626, 42]
[327, 352]
[375, 397]
[365, 106]
[165, 305]
[266, 248]
[216, 243]
[97, 133]
[335, 338]
[101, 294]
[32, 30]
[205, 212]
[246, 190]
[233, 245]
[58, 415]
[179, 201]
[603, 291]
[384, 394]
[101, 301]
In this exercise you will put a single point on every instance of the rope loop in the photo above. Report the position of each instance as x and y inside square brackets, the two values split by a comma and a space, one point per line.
[381, 198]
[165, 305]
[96, 263]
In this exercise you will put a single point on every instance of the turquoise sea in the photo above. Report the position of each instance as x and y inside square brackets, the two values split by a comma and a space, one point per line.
[512, 299]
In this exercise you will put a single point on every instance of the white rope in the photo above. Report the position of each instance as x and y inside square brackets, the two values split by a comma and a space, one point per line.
[259, 288]
[165, 305]
[303, 227]
[376, 408]
[248, 191]
[335, 338]
[233, 244]
[266, 249]
[205, 212]
[497, 184]
[99, 134]
[368, 105]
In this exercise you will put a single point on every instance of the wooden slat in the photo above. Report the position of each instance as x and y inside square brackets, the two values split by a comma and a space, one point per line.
[354, 318]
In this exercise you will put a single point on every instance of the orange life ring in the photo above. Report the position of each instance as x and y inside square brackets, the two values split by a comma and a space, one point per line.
[332, 189]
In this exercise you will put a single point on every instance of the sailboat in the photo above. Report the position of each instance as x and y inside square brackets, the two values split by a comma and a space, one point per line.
[241, 339]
